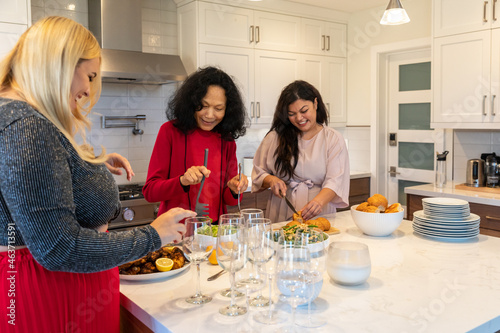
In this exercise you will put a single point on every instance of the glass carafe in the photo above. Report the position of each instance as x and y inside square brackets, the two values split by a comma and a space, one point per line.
[441, 169]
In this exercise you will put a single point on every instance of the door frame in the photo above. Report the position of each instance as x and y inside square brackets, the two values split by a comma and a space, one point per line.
[379, 112]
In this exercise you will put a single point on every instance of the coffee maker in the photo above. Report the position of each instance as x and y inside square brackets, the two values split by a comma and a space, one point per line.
[491, 169]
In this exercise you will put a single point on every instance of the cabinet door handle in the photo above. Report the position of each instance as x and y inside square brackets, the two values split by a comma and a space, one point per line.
[496, 219]
[493, 105]
[252, 113]
[484, 11]
[322, 42]
[258, 109]
[257, 34]
[484, 105]
[251, 34]
[494, 10]
[328, 43]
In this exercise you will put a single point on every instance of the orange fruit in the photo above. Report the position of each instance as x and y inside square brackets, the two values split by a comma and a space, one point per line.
[212, 258]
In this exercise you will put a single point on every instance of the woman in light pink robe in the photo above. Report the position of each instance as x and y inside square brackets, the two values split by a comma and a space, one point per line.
[319, 182]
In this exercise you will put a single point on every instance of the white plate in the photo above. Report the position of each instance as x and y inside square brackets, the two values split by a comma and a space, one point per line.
[446, 239]
[445, 234]
[445, 201]
[154, 276]
[423, 217]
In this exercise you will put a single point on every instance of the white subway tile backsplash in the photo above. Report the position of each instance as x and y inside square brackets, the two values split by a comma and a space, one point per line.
[168, 5]
[151, 4]
[168, 16]
[151, 27]
[151, 15]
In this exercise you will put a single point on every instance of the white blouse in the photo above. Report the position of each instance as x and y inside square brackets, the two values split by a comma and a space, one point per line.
[323, 163]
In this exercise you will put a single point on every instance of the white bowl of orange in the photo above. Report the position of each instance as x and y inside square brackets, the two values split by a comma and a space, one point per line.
[377, 224]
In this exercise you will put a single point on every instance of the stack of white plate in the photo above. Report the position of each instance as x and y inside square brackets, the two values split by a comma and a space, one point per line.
[446, 219]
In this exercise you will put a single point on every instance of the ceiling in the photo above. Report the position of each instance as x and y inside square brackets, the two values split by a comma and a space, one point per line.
[348, 6]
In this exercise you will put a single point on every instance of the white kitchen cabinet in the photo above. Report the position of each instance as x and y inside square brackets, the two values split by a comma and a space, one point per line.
[323, 38]
[465, 88]
[460, 16]
[9, 34]
[14, 11]
[260, 75]
[234, 26]
[328, 75]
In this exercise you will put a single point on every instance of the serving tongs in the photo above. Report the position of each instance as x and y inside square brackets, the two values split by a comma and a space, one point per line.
[201, 209]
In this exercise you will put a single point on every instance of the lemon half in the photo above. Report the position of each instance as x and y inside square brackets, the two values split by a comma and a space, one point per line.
[164, 264]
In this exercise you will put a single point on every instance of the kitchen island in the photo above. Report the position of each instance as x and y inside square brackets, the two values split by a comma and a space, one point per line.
[416, 285]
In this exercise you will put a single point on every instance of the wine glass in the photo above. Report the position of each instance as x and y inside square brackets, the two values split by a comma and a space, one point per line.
[196, 243]
[313, 239]
[260, 250]
[292, 278]
[248, 214]
[231, 252]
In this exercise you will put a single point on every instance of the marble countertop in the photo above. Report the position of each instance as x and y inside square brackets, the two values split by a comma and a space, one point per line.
[416, 285]
[449, 191]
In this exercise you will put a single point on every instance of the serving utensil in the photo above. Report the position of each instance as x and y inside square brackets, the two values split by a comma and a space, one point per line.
[216, 275]
[239, 192]
[289, 203]
[201, 209]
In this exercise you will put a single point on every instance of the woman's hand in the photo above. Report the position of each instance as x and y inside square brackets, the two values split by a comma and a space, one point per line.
[276, 185]
[168, 227]
[194, 175]
[116, 161]
[235, 185]
[311, 209]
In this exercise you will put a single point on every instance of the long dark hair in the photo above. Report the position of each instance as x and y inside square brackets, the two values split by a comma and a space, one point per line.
[187, 100]
[288, 141]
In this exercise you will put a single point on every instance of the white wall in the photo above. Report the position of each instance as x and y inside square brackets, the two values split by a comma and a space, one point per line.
[363, 32]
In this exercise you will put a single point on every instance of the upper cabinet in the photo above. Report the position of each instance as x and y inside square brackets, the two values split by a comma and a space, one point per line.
[14, 18]
[264, 52]
[233, 26]
[14, 11]
[452, 17]
[466, 65]
[323, 38]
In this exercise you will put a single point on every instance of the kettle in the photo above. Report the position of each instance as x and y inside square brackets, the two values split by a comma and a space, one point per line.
[475, 173]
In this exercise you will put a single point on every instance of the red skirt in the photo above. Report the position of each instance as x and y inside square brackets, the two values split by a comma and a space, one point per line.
[34, 299]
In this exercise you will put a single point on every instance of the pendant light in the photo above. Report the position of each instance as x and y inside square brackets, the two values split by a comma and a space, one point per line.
[394, 14]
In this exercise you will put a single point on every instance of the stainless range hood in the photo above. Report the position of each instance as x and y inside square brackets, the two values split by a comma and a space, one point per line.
[117, 25]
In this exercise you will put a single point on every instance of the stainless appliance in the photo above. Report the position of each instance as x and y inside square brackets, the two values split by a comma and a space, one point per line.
[491, 170]
[136, 211]
[475, 173]
[117, 25]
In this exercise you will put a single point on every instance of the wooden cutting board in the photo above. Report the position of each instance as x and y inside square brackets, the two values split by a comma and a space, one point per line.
[483, 189]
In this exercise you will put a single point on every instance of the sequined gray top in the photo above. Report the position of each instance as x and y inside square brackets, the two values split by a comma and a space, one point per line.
[51, 200]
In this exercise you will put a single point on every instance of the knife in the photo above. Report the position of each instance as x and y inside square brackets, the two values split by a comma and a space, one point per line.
[289, 203]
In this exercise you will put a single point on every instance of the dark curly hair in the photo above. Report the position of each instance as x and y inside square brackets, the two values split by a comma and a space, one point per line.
[288, 142]
[187, 100]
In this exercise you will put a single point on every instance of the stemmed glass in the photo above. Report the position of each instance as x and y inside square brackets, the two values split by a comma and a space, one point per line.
[292, 277]
[196, 247]
[248, 214]
[314, 240]
[231, 252]
[260, 250]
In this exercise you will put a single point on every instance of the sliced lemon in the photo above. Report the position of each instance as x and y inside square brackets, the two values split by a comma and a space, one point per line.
[164, 264]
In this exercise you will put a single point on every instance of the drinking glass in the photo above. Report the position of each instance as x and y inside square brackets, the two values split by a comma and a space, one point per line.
[313, 239]
[292, 278]
[348, 263]
[260, 250]
[248, 214]
[231, 252]
[195, 243]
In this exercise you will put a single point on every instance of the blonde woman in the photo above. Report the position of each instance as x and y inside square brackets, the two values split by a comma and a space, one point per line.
[57, 268]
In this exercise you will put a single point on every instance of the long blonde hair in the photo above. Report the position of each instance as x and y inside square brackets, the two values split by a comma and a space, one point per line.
[40, 69]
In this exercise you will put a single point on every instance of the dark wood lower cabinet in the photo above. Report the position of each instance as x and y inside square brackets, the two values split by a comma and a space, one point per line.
[359, 191]
[490, 215]
[130, 324]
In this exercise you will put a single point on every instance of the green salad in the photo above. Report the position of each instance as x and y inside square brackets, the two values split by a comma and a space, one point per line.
[290, 231]
[206, 230]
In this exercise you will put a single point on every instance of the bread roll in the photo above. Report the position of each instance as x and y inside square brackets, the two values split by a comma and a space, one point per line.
[378, 200]
[394, 208]
[298, 217]
[372, 209]
[325, 223]
[362, 206]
